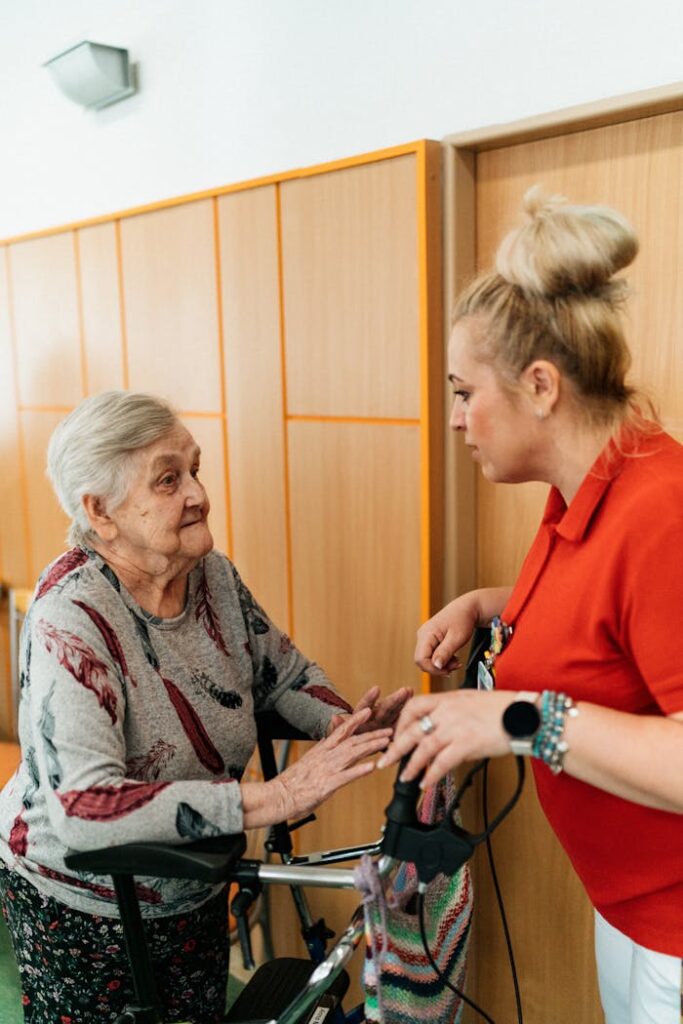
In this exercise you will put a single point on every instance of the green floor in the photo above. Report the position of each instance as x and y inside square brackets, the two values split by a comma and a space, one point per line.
[10, 994]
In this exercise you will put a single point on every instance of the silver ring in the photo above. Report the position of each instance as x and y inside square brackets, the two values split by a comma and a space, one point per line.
[426, 725]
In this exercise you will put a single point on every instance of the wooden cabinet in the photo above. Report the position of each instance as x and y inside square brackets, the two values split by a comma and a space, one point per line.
[296, 325]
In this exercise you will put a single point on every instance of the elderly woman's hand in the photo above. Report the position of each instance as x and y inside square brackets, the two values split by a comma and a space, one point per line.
[384, 712]
[443, 730]
[329, 765]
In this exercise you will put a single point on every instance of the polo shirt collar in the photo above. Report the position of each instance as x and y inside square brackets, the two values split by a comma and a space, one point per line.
[572, 522]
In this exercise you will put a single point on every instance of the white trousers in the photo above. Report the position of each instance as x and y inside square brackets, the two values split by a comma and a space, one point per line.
[637, 986]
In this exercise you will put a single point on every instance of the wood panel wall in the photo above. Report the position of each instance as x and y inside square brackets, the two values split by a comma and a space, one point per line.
[636, 167]
[295, 324]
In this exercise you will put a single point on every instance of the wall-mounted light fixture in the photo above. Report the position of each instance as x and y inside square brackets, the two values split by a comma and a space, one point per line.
[93, 74]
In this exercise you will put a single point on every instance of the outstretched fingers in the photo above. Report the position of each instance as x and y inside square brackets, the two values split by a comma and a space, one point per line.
[348, 725]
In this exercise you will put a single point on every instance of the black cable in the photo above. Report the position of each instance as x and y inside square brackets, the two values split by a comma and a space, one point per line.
[435, 967]
[499, 897]
[505, 809]
[486, 834]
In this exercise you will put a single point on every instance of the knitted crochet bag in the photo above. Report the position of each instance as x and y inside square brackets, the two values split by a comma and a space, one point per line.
[400, 984]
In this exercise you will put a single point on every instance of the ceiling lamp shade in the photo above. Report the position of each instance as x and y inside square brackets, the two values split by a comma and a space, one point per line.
[92, 74]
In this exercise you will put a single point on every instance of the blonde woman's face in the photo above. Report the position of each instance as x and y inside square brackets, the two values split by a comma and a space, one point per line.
[498, 427]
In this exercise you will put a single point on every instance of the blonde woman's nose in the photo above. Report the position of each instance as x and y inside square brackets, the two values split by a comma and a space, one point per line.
[457, 417]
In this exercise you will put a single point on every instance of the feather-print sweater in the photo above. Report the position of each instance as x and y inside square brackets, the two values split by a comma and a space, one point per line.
[138, 728]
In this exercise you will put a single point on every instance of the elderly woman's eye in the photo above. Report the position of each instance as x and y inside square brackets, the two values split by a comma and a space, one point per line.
[167, 480]
[195, 471]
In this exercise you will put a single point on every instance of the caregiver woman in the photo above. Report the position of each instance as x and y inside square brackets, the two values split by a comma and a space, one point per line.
[585, 645]
[144, 659]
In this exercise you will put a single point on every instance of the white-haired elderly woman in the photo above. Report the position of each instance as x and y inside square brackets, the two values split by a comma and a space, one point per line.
[144, 658]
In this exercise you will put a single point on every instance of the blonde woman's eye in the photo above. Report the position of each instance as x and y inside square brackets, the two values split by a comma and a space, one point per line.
[460, 393]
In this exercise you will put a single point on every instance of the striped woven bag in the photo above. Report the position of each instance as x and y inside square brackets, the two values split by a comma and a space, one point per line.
[405, 989]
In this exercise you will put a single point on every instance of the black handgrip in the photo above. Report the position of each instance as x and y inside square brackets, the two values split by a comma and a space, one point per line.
[401, 814]
[402, 809]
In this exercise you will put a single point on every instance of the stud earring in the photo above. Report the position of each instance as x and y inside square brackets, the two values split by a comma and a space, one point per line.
[539, 413]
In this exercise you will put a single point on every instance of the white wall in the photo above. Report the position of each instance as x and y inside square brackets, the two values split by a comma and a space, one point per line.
[236, 89]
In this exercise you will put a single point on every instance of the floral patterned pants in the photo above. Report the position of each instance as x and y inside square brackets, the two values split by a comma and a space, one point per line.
[73, 965]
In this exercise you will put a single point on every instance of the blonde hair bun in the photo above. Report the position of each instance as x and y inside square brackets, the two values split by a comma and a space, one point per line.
[563, 249]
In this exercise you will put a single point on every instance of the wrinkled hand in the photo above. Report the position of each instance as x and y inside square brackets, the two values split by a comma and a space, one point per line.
[330, 764]
[384, 712]
[467, 726]
[440, 637]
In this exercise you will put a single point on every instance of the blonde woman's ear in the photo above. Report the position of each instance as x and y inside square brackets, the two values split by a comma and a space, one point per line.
[541, 381]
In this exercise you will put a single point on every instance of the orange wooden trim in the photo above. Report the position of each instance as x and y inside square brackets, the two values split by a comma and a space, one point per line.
[198, 415]
[79, 309]
[378, 420]
[122, 303]
[192, 197]
[285, 417]
[223, 385]
[2, 559]
[425, 444]
[28, 547]
[9, 702]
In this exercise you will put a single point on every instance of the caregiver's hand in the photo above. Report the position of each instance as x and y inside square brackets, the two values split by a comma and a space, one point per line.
[442, 636]
[445, 729]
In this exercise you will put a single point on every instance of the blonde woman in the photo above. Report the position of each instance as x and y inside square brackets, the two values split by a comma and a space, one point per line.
[582, 673]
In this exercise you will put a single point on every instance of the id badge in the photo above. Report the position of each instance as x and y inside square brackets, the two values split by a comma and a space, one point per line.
[486, 672]
[484, 677]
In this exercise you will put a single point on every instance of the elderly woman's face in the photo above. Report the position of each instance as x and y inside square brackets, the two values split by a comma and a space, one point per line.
[166, 509]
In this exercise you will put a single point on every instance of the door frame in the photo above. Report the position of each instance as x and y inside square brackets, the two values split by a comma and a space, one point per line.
[459, 265]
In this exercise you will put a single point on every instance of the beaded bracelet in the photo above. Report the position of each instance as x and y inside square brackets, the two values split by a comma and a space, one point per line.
[549, 744]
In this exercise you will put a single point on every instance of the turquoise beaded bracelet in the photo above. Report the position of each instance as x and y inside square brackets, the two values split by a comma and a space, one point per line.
[549, 744]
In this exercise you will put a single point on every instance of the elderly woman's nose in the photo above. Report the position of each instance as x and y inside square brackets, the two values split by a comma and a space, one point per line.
[194, 490]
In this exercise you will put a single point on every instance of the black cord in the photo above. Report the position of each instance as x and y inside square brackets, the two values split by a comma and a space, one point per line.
[486, 834]
[505, 809]
[499, 897]
[435, 967]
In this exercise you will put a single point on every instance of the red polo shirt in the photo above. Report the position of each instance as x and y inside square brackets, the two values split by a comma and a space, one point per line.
[597, 613]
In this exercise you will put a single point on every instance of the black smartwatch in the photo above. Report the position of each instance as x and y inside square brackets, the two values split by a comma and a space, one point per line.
[521, 721]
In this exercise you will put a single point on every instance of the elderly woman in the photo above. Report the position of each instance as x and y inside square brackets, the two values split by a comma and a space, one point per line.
[587, 678]
[144, 659]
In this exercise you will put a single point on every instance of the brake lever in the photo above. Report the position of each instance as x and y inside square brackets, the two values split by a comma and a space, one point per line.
[240, 911]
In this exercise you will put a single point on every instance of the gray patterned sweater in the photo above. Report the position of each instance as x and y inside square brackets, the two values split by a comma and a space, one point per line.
[139, 728]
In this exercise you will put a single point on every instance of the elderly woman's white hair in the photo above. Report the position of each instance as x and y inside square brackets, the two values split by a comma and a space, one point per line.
[90, 452]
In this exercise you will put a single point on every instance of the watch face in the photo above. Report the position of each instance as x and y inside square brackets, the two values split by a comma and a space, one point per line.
[521, 718]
